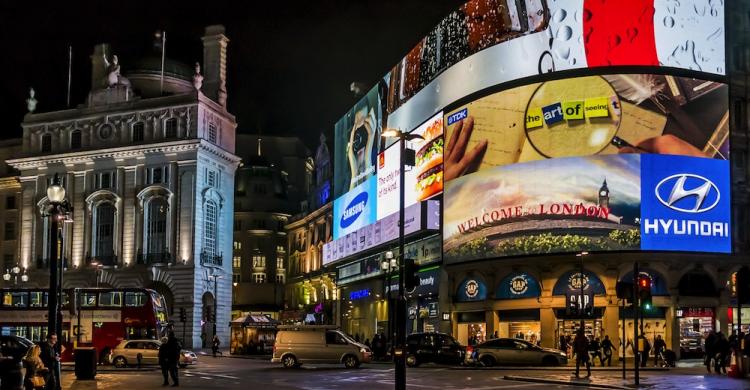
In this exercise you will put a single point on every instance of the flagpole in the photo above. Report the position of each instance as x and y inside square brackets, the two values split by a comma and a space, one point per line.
[70, 73]
[163, 50]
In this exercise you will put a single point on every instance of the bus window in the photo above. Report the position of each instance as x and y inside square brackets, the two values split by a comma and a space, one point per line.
[88, 299]
[135, 299]
[16, 299]
[15, 331]
[38, 299]
[110, 299]
[37, 334]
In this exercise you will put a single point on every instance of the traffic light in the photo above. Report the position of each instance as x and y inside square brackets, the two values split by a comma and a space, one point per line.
[644, 292]
[742, 285]
[624, 291]
[183, 315]
[411, 279]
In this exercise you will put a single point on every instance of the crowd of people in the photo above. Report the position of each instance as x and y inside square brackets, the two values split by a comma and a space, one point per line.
[717, 349]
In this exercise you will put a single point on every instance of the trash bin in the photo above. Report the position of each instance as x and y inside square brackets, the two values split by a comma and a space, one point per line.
[85, 360]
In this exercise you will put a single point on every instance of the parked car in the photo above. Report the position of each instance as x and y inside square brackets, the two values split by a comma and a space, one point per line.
[296, 345]
[14, 346]
[433, 348]
[508, 351]
[126, 353]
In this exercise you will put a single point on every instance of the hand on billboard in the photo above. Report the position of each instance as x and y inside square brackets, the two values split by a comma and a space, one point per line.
[457, 161]
[665, 144]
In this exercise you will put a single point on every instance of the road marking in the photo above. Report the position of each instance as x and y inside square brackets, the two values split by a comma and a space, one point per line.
[212, 374]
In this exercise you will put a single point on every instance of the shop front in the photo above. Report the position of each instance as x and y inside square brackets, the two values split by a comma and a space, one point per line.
[694, 324]
[579, 290]
[522, 323]
[655, 320]
[471, 326]
[252, 334]
[423, 309]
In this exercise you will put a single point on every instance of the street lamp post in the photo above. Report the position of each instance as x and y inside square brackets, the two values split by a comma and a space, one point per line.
[389, 265]
[56, 211]
[399, 353]
[14, 273]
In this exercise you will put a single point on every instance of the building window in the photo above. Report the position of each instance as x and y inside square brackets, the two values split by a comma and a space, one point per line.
[237, 225]
[259, 278]
[280, 262]
[75, 139]
[104, 224]
[8, 262]
[236, 278]
[156, 226]
[170, 128]
[260, 189]
[259, 261]
[236, 262]
[209, 231]
[212, 133]
[47, 142]
[138, 129]
[157, 175]
[104, 180]
[10, 231]
[279, 278]
[213, 178]
[260, 223]
[10, 202]
[237, 245]
[279, 249]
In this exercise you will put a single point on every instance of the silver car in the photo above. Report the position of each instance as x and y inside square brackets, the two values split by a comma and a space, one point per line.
[506, 351]
[126, 353]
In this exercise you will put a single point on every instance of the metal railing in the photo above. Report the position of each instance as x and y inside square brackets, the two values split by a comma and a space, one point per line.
[154, 258]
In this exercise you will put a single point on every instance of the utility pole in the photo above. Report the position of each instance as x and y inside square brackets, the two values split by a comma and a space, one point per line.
[636, 310]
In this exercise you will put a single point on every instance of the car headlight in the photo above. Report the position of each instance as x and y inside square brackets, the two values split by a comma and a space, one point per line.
[364, 350]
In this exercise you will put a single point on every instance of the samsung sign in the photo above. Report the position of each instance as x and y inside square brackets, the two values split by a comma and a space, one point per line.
[355, 208]
[685, 204]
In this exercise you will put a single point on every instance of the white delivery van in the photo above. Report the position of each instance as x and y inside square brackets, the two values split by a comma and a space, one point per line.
[301, 344]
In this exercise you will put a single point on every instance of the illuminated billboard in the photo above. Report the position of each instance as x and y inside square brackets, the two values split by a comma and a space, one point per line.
[537, 123]
[596, 163]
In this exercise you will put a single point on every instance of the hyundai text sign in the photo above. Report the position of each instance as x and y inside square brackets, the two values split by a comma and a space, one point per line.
[355, 209]
[685, 204]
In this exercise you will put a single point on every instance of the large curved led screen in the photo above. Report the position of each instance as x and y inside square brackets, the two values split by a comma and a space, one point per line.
[567, 125]
[596, 163]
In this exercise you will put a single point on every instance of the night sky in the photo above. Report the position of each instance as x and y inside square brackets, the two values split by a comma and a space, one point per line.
[290, 63]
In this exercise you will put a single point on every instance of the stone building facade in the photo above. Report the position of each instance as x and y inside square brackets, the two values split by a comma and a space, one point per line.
[148, 167]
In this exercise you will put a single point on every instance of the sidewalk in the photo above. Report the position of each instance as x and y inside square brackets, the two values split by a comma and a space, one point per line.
[679, 379]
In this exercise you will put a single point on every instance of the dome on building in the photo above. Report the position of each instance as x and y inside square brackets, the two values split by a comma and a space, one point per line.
[145, 75]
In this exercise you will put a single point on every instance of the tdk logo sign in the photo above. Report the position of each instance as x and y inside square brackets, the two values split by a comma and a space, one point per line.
[685, 204]
[677, 193]
[353, 210]
[453, 118]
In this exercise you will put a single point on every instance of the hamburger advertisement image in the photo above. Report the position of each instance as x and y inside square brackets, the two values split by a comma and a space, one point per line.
[429, 160]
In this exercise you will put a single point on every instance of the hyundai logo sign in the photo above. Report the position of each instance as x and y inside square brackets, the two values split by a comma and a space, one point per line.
[688, 193]
[353, 210]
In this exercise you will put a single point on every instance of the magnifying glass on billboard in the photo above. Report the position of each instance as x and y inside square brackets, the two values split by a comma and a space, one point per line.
[574, 117]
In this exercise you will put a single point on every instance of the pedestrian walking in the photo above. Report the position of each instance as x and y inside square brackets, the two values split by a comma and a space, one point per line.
[646, 350]
[169, 358]
[215, 344]
[51, 360]
[581, 348]
[659, 347]
[607, 348]
[37, 374]
[721, 349]
[595, 351]
[709, 349]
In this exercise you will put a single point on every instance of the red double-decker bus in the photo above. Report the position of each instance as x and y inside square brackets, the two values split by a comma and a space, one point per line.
[98, 317]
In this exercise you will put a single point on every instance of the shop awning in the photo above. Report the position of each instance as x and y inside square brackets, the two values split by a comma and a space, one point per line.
[255, 321]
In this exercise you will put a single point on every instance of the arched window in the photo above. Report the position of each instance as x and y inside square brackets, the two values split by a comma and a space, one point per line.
[138, 132]
[75, 139]
[47, 142]
[104, 226]
[170, 128]
[156, 229]
[209, 230]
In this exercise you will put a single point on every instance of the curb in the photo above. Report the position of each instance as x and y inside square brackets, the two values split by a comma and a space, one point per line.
[561, 368]
[561, 382]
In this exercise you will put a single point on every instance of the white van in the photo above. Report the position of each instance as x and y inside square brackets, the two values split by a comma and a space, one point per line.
[296, 345]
